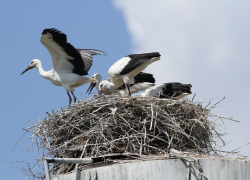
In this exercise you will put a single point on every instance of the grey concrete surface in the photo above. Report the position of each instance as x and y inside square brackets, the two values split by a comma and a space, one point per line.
[169, 169]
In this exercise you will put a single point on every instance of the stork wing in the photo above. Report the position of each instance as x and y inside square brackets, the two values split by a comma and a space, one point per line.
[60, 50]
[144, 77]
[136, 60]
[86, 55]
[140, 78]
[64, 56]
[175, 89]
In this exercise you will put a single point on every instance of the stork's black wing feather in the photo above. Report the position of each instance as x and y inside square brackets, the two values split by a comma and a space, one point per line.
[57, 35]
[82, 58]
[137, 60]
[86, 55]
[174, 89]
[61, 39]
[140, 78]
[144, 77]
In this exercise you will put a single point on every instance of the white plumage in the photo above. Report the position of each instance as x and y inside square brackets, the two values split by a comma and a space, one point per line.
[68, 64]
[125, 69]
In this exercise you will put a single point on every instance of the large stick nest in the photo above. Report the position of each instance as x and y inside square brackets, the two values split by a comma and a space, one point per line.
[111, 124]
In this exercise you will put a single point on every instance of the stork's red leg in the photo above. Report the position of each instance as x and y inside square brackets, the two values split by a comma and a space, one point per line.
[74, 97]
[70, 99]
[128, 89]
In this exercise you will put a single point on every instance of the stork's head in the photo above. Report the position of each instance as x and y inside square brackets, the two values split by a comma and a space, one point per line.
[32, 65]
[98, 77]
[104, 86]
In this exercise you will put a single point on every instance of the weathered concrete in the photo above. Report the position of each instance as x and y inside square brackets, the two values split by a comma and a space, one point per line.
[170, 169]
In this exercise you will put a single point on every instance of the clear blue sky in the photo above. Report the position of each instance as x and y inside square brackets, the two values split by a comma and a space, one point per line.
[203, 43]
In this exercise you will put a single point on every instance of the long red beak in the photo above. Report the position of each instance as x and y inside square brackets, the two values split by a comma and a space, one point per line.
[28, 68]
[91, 86]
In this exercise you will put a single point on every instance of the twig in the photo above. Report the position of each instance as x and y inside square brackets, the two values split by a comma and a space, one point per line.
[149, 126]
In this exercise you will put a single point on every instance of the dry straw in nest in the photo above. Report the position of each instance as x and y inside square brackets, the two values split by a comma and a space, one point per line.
[111, 124]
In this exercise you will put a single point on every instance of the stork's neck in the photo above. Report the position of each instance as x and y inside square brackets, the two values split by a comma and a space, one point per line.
[97, 85]
[99, 79]
[44, 74]
[115, 85]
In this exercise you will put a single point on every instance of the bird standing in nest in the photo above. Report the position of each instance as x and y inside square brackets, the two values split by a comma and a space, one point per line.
[125, 69]
[140, 82]
[69, 65]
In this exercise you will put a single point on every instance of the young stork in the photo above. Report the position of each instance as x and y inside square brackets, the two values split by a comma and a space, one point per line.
[125, 69]
[173, 90]
[140, 82]
[68, 64]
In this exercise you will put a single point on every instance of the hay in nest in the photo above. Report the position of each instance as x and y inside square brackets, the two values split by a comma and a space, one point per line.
[111, 124]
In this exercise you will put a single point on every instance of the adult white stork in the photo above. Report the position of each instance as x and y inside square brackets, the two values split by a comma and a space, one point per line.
[173, 90]
[68, 64]
[125, 69]
[140, 82]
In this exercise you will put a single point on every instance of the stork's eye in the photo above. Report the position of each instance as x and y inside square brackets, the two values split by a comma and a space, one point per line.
[32, 62]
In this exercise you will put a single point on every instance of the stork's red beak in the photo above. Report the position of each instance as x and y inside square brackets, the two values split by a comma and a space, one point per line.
[91, 86]
[100, 92]
[28, 68]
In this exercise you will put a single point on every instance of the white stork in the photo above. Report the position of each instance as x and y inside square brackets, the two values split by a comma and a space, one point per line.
[173, 90]
[68, 64]
[140, 82]
[125, 69]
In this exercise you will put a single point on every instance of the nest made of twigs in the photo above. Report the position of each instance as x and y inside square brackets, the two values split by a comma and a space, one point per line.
[111, 124]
